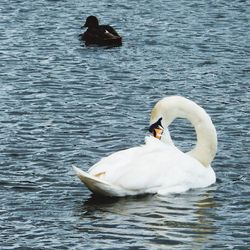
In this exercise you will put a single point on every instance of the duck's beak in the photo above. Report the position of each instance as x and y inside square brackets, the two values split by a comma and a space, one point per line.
[157, 132]
[85, 25]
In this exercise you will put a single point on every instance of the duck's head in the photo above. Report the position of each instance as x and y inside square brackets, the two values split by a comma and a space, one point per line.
[156, 129]
[91, 22]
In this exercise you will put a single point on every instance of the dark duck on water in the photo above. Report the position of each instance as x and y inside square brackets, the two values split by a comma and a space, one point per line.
[100, 35]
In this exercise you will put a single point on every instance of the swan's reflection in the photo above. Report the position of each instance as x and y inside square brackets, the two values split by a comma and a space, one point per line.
[154, 220]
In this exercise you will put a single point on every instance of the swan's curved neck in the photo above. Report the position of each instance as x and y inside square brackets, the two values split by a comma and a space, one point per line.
[206, 146]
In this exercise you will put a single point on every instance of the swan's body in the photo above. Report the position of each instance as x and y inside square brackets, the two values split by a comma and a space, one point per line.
[158, 167]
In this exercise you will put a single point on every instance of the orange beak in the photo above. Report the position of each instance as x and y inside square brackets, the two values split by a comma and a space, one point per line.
[158, 133]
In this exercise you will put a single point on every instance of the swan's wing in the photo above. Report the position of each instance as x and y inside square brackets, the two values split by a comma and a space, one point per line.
[158, 168]
[96, 185]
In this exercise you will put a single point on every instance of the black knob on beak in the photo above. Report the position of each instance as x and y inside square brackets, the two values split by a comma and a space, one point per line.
[155, 125]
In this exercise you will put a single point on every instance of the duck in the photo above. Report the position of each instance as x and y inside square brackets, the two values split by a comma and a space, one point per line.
[158, 167]
[100, 35]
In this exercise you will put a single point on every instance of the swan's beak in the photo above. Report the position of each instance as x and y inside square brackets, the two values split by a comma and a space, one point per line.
[156, 129]
[158, 132]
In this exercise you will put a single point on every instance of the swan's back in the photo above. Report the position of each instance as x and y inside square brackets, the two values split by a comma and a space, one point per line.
[155, 167]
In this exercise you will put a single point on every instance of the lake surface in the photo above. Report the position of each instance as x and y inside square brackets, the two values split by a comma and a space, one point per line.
[63, 103]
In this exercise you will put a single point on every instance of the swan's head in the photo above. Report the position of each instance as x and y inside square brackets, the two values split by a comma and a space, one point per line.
[166, 110]
[156, 129]
[169, 108]
[159, 123]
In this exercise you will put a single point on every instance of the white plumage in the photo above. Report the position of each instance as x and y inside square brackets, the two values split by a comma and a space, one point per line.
[158, 167]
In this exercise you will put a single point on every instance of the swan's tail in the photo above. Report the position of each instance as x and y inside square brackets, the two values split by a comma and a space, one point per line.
[98, 186]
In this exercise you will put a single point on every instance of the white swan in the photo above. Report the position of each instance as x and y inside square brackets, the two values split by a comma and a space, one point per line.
[158, 167]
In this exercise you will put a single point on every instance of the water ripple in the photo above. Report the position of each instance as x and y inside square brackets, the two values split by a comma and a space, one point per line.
[63, 103]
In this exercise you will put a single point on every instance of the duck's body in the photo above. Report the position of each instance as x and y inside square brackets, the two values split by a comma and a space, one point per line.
[100, 35]
[157, 167]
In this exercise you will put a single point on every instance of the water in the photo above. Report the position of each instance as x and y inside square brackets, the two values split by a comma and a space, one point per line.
[62, 103]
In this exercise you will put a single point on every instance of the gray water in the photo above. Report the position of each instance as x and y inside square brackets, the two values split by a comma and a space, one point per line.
[63, 103]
